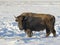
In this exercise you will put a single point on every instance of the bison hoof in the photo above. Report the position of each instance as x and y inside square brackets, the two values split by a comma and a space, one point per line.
[54, 35]
[29, 36]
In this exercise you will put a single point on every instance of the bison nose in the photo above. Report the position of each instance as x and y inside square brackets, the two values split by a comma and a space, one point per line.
[16, 20]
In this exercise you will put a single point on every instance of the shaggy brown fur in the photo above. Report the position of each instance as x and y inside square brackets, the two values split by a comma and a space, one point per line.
[45, 21]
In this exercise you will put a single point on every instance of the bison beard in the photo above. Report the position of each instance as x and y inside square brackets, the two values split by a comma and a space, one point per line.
[36, 24]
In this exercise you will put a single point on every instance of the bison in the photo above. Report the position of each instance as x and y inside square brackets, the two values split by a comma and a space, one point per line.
[36, 22]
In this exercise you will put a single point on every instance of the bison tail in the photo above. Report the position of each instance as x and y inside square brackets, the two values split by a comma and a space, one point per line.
[53, 20]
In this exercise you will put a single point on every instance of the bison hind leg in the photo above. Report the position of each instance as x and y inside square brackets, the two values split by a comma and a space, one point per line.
[47, 32]
[54, 32]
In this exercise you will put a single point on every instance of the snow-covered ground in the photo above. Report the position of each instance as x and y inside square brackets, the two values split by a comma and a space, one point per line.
[9, 31]
[11, 35]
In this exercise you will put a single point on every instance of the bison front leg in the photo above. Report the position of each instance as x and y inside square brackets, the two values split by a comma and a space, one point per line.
[28, 32]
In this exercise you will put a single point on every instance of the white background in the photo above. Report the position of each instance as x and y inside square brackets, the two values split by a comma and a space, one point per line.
[16, 7]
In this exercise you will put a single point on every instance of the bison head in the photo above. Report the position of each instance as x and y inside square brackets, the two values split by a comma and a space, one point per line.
[20, 20]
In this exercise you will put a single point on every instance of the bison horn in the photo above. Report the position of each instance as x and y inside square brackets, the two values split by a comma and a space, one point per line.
[15, 16]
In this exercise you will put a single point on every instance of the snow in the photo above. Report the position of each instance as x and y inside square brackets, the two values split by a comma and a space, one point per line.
[9, 31]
